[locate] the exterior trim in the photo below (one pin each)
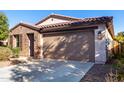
(68, 29)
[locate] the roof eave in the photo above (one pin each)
(110, 28)
(26, 25)
(69, 27)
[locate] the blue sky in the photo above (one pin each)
(33, 16)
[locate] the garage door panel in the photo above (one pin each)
(69, 46)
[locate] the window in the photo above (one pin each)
(11, 41)
(17, 40)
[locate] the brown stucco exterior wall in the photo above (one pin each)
(74, 45)
(23, 31)
(67, 45)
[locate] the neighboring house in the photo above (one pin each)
(65, 38)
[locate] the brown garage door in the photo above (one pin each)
(78, 45)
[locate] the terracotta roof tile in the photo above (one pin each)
(85, 20)
(27, 25)
(58, 16)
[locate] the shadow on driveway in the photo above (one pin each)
(50, 72)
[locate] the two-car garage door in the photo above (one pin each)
(74, 45)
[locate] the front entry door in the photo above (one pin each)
(31, 44)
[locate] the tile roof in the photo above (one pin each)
(107, 20)
(58, 16)
(103, 19)
(27, 25)
(96, 20)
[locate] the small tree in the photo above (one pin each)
(4, 27)
(120, 39)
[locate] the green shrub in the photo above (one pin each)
(119, 65)
(5, 53)
(112, 77)
(15, 52)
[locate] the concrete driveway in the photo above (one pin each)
(53, 71)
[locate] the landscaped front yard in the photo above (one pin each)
(98, 73)
(112, 72)
(5, 54)
(20, 70)
(14, 69)
(8, 56)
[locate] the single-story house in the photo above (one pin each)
(65, 38)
